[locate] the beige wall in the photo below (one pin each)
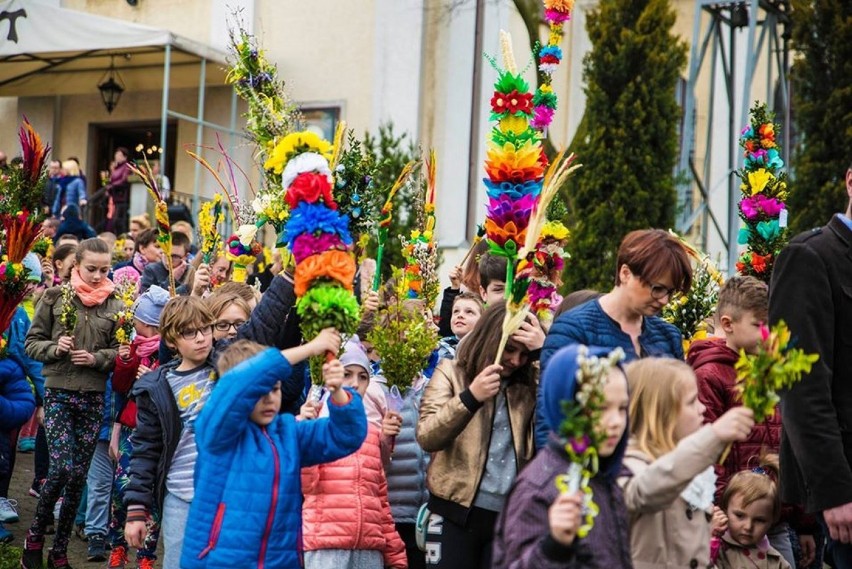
(189, 18)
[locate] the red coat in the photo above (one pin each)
(713, 363)
(346, 505)
(123, 378)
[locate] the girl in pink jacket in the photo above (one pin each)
(346, 516)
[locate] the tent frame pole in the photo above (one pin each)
(164, 115)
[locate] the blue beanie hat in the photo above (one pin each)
(354, 354)
(148, 306)
(32, 263)
(559, 383)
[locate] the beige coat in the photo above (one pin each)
(665, 531)
(459, 437)
(762, 556)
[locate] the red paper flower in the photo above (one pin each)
(310, 187)
(498, 103)
(519, 102)
(758, 262)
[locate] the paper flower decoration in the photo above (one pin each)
(125, 291)
(318, 235)
(161, 217)
(764, 190)
(580, 432)
(513, 165)
(209, 218)
(556, 13)
(21, 192)
(271, 114)
(294, 144)
(419, 249)
(68, 312)
(242, 252)
(385, 218)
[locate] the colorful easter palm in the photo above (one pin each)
(21, 191)
(385, 220)
(317, 235)
(764, 187)
(161, 217)
(209, 219)
(556, 13)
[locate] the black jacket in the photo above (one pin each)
(266, 326)
(155, 439)
(811, 291)
(158, 274)
(74, 226)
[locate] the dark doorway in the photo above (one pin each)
(138, 137)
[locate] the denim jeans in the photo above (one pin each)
(99, 483)
(175, 514)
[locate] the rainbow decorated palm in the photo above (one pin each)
(317, 235)
(514, 166)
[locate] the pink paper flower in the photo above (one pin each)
(308, 244)
(542, 117)
(759, 205)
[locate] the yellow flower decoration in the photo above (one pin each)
(294, 144)
(512, 123)
(758, 180)
(554, 230)
(527, 156)
(559, 5)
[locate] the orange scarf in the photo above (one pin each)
(91, 295)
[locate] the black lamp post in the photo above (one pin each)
(111, 87)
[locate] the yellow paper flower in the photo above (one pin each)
(559, 5)
(294, 144)
(512, 123)
(758, 180)
(554, 230)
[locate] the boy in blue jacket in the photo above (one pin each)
(247, 510)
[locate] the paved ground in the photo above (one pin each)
(21, 480)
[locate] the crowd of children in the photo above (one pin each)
(220, 456)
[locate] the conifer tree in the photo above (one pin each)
(822, 105)
(389, 152)
(629, 142)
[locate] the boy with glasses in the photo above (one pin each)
(168, 402)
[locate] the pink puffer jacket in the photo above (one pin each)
(346, 505)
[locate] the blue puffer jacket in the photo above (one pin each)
(17, 404)
(17, 334)
(247, 509)
(406, 471)
(588, 324)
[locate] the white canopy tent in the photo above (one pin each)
(47, 51)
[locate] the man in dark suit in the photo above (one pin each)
(811, 291)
